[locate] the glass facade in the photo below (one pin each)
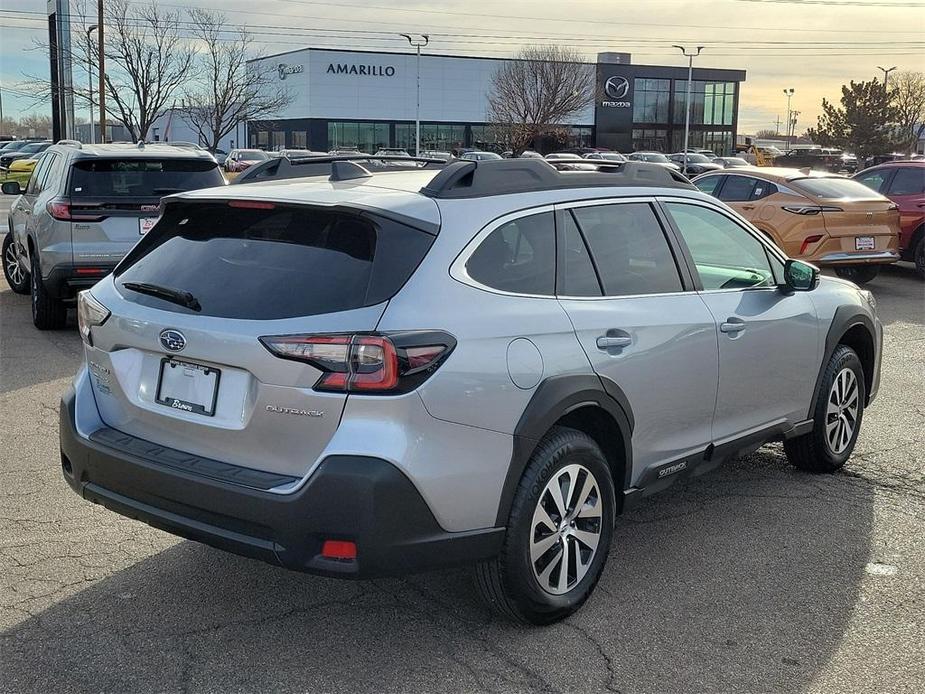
(712, 103)
(720, 141)
(651, 139)
(651, 99)
(366, 137)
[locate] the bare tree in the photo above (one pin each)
(767, 133)
(224, 88)
(147, 60)
(542, 88)
(907, 92)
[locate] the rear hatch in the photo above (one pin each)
(193, 374)
(113, 202)
(859, 218)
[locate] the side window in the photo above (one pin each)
(518, 257)
(763, 189)
(577, 271)
(34, 187)
(629, 249)
(725, 254)
(737, 189)
(873, 179)
(708, 184)
(909, 180)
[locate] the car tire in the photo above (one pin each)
(859, 274)
(47, 313)
(836, 424)
(525, 581)
(918, 256)
(16, 277)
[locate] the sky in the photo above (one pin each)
(812, 46)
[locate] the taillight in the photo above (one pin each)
(60, 209)
(808, 241)
(385, 364)
(811, 209)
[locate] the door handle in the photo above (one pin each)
(748, 207)
(609, 342)
(732, 325)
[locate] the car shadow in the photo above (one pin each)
(900, 294)
(742, 580)
(31, 356)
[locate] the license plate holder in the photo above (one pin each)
(864, 243)
(145, 224)
(188, 387)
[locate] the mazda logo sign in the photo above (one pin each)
(172, 340)
(616, 87)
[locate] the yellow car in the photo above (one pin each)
(21, 166)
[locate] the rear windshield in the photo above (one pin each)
(253, 155)
(274, 263)
(141, 178)
(835, 189)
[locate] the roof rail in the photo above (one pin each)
(70, 143)
(471, 179)
(279, 168)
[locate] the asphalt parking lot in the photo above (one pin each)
(754, 578)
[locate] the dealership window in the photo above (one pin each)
(279, 139)
(299, 139)
(720, 141)
(366, 137)
(434, 136)
(650, 139)
(263, 139)
(711, 102)
(650, 100)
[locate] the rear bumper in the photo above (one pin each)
(860, 258)
(65, 281)
(361, 499)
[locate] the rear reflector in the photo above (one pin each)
(808, 241)
(251, 204)
(339, 549)
(90, 271)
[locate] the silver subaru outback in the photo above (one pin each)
(365, 374)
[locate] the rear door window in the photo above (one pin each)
(908, 180)
(873, 179)
(518, 257)
(141, 178)
(281, 262)
(629, 248)
(708, 184)
(737, 189)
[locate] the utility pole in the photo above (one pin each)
(886, 76)
(777, 126)
(789, 94)
(417, 43)
(687, 111)
(793, 123)
(90, 29)
(102, 59)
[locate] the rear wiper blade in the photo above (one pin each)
(176, 296)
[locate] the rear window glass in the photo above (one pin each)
(834, 188)
(142, 178)
(267, 264)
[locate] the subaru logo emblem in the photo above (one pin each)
(617, 87)
(172, 340)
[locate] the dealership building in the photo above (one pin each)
(365, 99)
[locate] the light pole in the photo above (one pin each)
(886, 76)
(102, 59)
(788, 93)
(417, 43)
(687, 110)
(90, 28)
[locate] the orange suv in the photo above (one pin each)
(823, 218)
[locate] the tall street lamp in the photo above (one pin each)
(789, 94)
(102, 59)
(886, 75)
(417, 43)
(687, 111)
(90, 29)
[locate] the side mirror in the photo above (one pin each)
(800, 276)
(11, 188)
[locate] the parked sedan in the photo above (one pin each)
(903, 182)
(731, 162)
(477, 155)
(654, 158)
(240, 159)
(23, 153)
(24, 166)
(827, 219)
(606, 156)
(696, 163)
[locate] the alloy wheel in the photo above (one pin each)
(566, 529)
(841, 416)
(13, 268)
